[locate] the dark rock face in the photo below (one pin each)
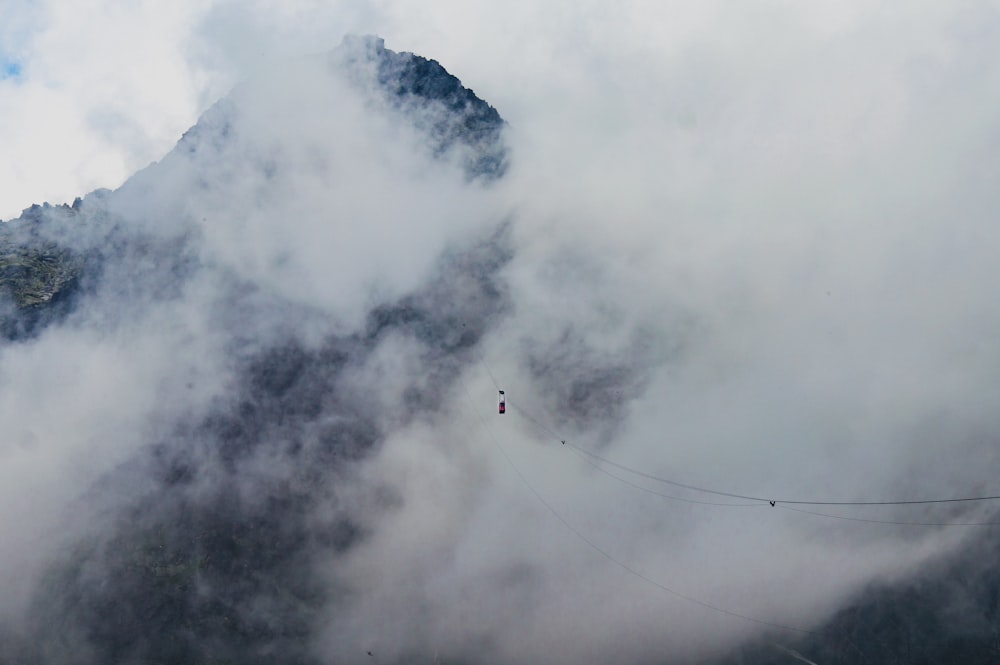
(420, 90)
(415, 81)
(38, 278)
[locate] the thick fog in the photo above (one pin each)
(746, 250)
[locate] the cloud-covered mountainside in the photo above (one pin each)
(248, 403)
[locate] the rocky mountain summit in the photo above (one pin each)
(41, 268)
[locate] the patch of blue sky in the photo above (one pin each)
(20, 23)
(10, 69)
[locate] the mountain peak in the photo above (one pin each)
(413, 83)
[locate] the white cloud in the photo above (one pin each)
(785, 212)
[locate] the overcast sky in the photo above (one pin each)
(91, 91)
(777, 217)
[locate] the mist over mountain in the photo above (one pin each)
(249, 402)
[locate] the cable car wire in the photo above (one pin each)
(598, 467)
(538, 424)
(773, 502)
(607, 555)
(894, 522)
(758, 500)
(800, 502)
(660, 494)
(482, 359)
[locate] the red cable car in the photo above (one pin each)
(503, 403)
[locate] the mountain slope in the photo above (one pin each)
(197, 567)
